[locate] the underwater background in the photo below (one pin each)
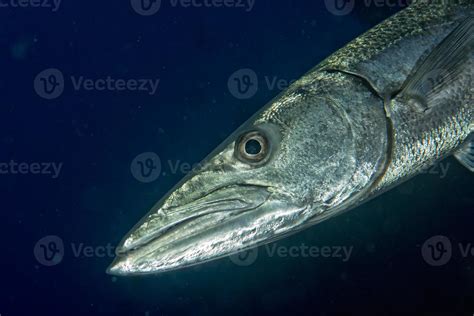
(184, 77)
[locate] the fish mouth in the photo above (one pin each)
(161, 241)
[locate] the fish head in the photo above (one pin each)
(267, 180)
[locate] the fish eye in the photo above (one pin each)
(252, 147)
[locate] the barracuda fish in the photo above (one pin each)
(391, 103)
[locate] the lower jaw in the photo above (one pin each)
(182, 233)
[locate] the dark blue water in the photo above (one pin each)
(93, 134)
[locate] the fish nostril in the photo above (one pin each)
(330, 200)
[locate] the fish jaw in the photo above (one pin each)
(249, 216)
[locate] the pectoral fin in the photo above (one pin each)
(465, 155)
(426, 86)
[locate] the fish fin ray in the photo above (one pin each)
(465, 155)
(423, 89)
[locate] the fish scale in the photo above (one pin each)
(419, 140)
(370, 116)
(410, 33)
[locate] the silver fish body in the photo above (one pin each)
(342, 134)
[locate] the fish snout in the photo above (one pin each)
(166, 230)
